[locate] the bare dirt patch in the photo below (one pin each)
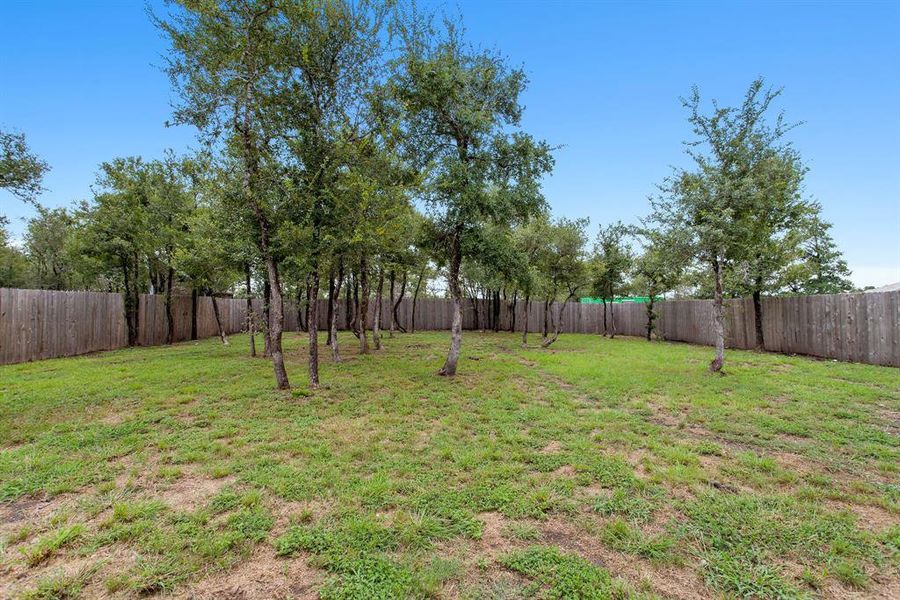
(261, 576)
(666, 580)
(552, 448)
(188, 493)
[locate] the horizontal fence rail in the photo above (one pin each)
(864, 327)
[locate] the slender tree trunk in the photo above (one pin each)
(758, 316)
(331, 305)
(605, 329)
(651, 317)
(131, 308)
(193, 313)
(250, 320)
(525, 319)
(557, 325)
(267, 318)
(215, 305)
(396, 306)
(349, 309)
(333, 323)
(170, 318)
(302, 306)
(276, 324)
(512, 311)
(415, 298)
(376, 323)
(545, 329)
(718, 318)
(496, 311)
(392, 278)
(449, 368)
(312, 326)
(612, 320)
(363, 310)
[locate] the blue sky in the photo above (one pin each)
(81, 79)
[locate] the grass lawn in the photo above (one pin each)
(596, 469)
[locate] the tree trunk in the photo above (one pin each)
(333, 323)
(525, 318)
(376, 323)
(312, 326)
(545, 329)
(557, 325)
(302, 304)
(331, 305)
(651, 317)
(131, 307)
(605, 329)
(222, 336)
(475, 311)
(718, 319)
(412, 317)
(349, 310)
(250, 321)
(449, 368)
(512, 311)
(496, 311)
(276, 324)
(758, 317)
(193, 313)
(612, 320)
(170, 318)
(363, 310)
(391, 318)
(267, 299)
(396, 319)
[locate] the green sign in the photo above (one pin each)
(620, 300)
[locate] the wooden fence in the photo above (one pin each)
(38, 324)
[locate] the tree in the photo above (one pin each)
(462, 116)
(532, 245)
(48, 239)
(221, 65)
(564, 271)
(610, 265)
(659, 268)
(13, 262)
(114, 232)
(713, 205)
(21, 171)
(821, 268)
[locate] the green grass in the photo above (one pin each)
(392, 482)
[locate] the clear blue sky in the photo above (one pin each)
(81, 79)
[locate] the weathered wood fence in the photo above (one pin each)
(38, 324)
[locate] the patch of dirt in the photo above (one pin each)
(665, 580)
(552, 448)
(565, 471)
(871, 518)
(492, 543)
(188, 493)
(880, 588)
(261, 576)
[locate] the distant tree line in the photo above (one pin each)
(363, 151)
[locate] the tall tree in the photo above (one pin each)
(21, 171)
(610, 265)
(48, 239)
(820, 267)
(659, 268)
(221, 65)
(13, 262)
(564, 271)
(714, 203)
(462, 116)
